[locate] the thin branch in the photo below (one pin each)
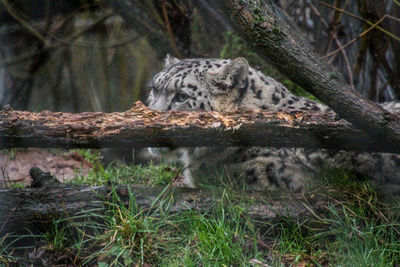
(24, 23)
(13, 212)
(29, 55)
(364, 20)
(356, 38)
(171, 37)
(98, 45)
(339, 44)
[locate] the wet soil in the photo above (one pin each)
(16, 163)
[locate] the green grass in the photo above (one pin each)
(222, 236)
(56, 238)
(90, 156)
(6, 252)
(126, 235)
(358, 228)
(150, 175)
(361, 242)
(366, 225)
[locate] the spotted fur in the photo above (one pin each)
(223, 85)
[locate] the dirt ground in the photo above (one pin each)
(16, 163)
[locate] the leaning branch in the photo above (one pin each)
(260, 24)
(144, 127)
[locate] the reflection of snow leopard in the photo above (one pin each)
(223, 85)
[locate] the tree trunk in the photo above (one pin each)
(35, 208)
(143, 127)
(260, 25)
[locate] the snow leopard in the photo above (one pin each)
(226, 85)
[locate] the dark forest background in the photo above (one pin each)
(98, 55)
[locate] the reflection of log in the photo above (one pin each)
(35, 207)
(143, 127)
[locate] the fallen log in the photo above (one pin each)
(35, 208)
(143, 127)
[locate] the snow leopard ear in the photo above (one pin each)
(232, 75)
(169, 61)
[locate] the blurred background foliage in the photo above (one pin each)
(98, 55)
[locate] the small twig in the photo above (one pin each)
(262, 243)
(339, 44)
(356, 38)
(150, 9)
(258, 263)
(335, 18)
(112, 44)
(364, 20)
(347, 64)
(13, 211)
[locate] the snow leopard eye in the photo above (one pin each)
(181, 97)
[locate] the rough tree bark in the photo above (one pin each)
(143, 127)
(262, 28)
(35, 208)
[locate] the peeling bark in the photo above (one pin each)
(143, 127)
(262, 28)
